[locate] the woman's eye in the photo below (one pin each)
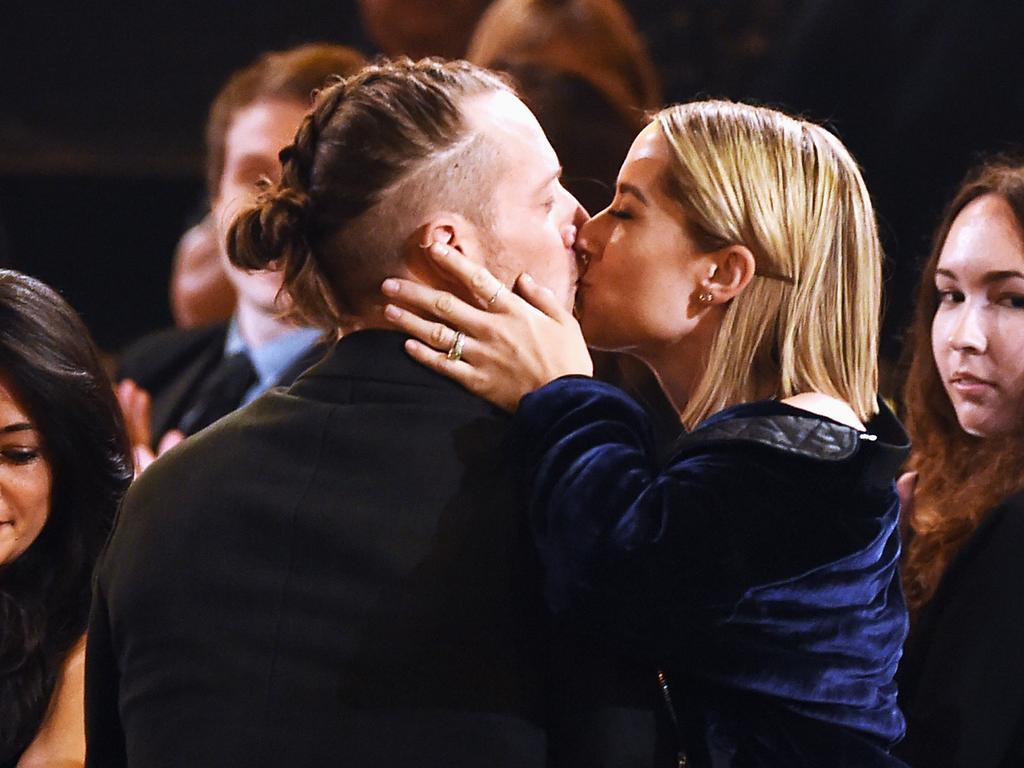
(549, 204)
(950, 296)
(19, 455)
(1012, 300)
(620, 214)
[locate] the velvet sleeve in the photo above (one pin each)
(646, 542)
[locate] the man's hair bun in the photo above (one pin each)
(276, 226)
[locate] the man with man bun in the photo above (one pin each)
(341, 573)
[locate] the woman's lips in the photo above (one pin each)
(970, 386)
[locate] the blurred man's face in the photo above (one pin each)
(533, 218)
(258, 132)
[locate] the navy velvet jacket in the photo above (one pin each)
(757, 567)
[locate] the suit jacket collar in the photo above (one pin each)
(171, 402)
(376, 355)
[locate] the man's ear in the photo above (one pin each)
(452, 230)
(449, 229)
(732, 269)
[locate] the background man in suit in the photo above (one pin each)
(340, 574)
(175, 382)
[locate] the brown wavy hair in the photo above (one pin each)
(595, 40)
(961, 477)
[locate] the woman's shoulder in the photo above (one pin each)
(786, 430)
(60, 742)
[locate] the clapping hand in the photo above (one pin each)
(135, 405)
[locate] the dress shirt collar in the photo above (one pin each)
(273, 359)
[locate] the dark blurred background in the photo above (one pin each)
(102, 109)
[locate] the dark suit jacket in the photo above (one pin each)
(962, 675)
(337, 574)
(172, 365)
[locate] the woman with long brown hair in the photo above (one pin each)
(962, 678)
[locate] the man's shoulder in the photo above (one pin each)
(192, 488)
(155, 355)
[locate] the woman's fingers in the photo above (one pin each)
(135, 405)
(905, 487)
(485, 287)
(452, 310)
(541, 297)
(442, 363)
(437, 335)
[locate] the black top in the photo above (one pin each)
(962, 675)
(337, 574)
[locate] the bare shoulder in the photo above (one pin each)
(60, 742)
(828, 406)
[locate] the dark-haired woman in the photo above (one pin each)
(962, 677)
(64, 464)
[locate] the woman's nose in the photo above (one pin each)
(968, 332)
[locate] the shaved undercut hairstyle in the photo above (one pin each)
(380, 151)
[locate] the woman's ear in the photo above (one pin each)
(732, 270)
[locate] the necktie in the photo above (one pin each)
(221, 393)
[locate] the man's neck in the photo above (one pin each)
(258, 327)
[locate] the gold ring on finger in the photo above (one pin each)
(455, 350)
(497, 293)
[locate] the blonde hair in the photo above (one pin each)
(790, 192)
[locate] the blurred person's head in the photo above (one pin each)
(253, 117)
(964, 393)
(742, 246)
(64, 465)
(400, 155)
(419, 28)
(584, 70)
(594, 40)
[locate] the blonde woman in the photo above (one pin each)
(754, 570)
